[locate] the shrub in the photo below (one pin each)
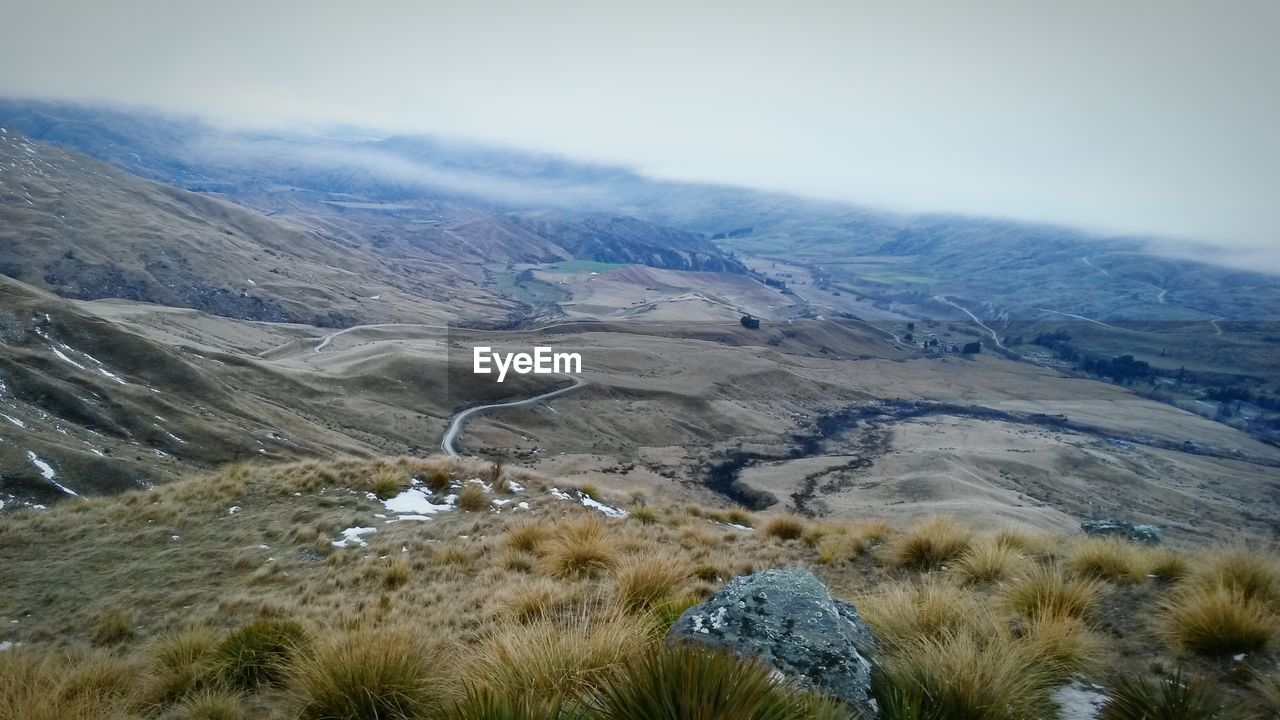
(784, 527)
(388, 482)
(257, 652)
(1108, 559)
(580, 547)
(1172, 698)
(369, 674)
(961, 676)
(990, 562)
(1219, 620)
(473, 498)
(640, 582)
(687, 683)
(930, 544)
(112, 626)
(1046, 591)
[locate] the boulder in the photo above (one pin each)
(1145, 534)
(787, 619)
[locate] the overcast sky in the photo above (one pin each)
(1150, 117)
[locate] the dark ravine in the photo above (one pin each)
(874, 419)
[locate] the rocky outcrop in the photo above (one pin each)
(787, 619)
(1145, 534)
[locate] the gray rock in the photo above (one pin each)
(787, 619)
(1146, 534)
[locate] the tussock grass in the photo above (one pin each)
(990, 562)
(1167, 564)
(641, 581)
(686, 683)
(645, 515)
(473, 498)
(257, 653)
(1062, 645)
(539, 599)
(1176, 697)
(1028, 543)
(46, 686)
(1048, 592)
(211, 704)
(1219, 620)
(388, 482)
(437, 478)
(904, 612)
(181, 663)
(580, 547)
(961, 675)
(371, 674)
(397, 572)
(555, 659)
(488, 705)
(785, 527)
(1254, 575)
(1267, 689)
(1112, 559)
(112, 626)
(526, 536)
(930, 544)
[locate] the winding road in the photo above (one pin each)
(994, 336)
(455, 425)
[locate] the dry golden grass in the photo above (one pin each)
(1167, 564)
(397, 572)
(1063, 645)
(785, 527)
(1028, 543)
(473, 498)
(1112, 559)
(548, 659)
(902, 612)
(1219, 620)
(1253, 574)
(112, 626)
(212, 704)
(930, 544)
(371, 673)
(181, 664)
(640, 582)
(49, 686)
(1048, 592)
(538, 599)
(990, 562)
(580, 547)
(962, 675)
(526, 536)
(388, 482)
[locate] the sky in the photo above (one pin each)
(1157, 117)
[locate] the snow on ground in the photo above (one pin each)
(417, 502)
(1079, 701)
(66, 359)
(47, 471)
(14, 420)
(591, 502)
(352, 536)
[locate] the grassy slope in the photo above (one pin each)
(551, 597)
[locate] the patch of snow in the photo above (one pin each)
(515, 486)
(14, 420)
(7, 645)
(523, 506)
(410, 517)
(1079, 701)
(98, 452)
(499, 502)
(556, 492)
(64, 358)
(612, 512)
(353, 536)
(417, 502)
(233, 509)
